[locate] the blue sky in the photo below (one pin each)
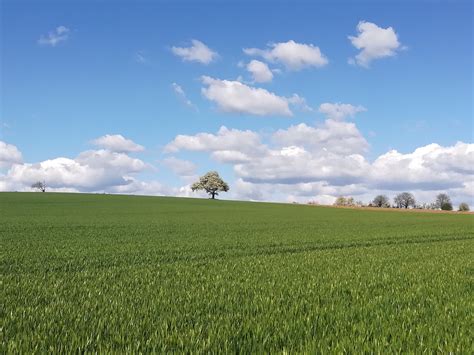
(114, 74)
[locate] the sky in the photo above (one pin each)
(287, 100)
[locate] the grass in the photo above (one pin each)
(102, 273)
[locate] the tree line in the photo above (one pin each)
(403, 200)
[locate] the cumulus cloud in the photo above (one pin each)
(197, 52)
(431, 167)
(321, 162)
(178, 90)
(293, 55)
(299, 102)
(236, 97)
(280, 167)
(299, 163)
(248, 191)
(332, 136)
(59, 34)
(180, 167)
(374, 42)
(228, 140)
(260, 71)
(90, 171)
(301, 153)
(117, 143)
(100, 170)
(137, 187)
(9, 155)
(230, 156)
(338, 111)
(295, 172)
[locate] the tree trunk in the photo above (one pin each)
(213, 195)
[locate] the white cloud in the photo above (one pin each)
(70, 175)
(225, 140)
(300, 163)
(236, 97)
(198, 52)
(112, 160)
(60, 34)
(137, 187)
(260, 71)
(293, 151)
(430, 167)
(374, 42)
(293, 55)
(91, 171)
(332, 136)
(178, 90)
(99, 170)
(9, 155)
(117, 143)
(180, 167)
(248, 191)
(299, 102)
(279, 167)
(319, 163)
(302, 153)
(230, 156)
(338, 111)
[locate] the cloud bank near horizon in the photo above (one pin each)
(299, 163)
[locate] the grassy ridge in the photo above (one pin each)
(128, 273)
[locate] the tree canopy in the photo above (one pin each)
(381, 201)
(40, 186)
(405, 200)
(212, 183)
(443, 201)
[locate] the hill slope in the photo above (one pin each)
(128, 273)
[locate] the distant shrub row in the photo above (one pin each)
(402, 200)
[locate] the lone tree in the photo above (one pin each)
(444, 202)
(40, 186)
(405, 200)
(381, 201)
(211, 183)
(463, 207)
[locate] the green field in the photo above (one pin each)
(102, 273)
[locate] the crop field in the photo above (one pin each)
(103, 273)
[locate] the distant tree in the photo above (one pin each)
(447, 206)
(360, 203)
(345, 201)
(444, 202)
(404, 200)
(340, 201)
(381, 201)
(350, 202)
(40, 186)
(211, 183)
(463, 207)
